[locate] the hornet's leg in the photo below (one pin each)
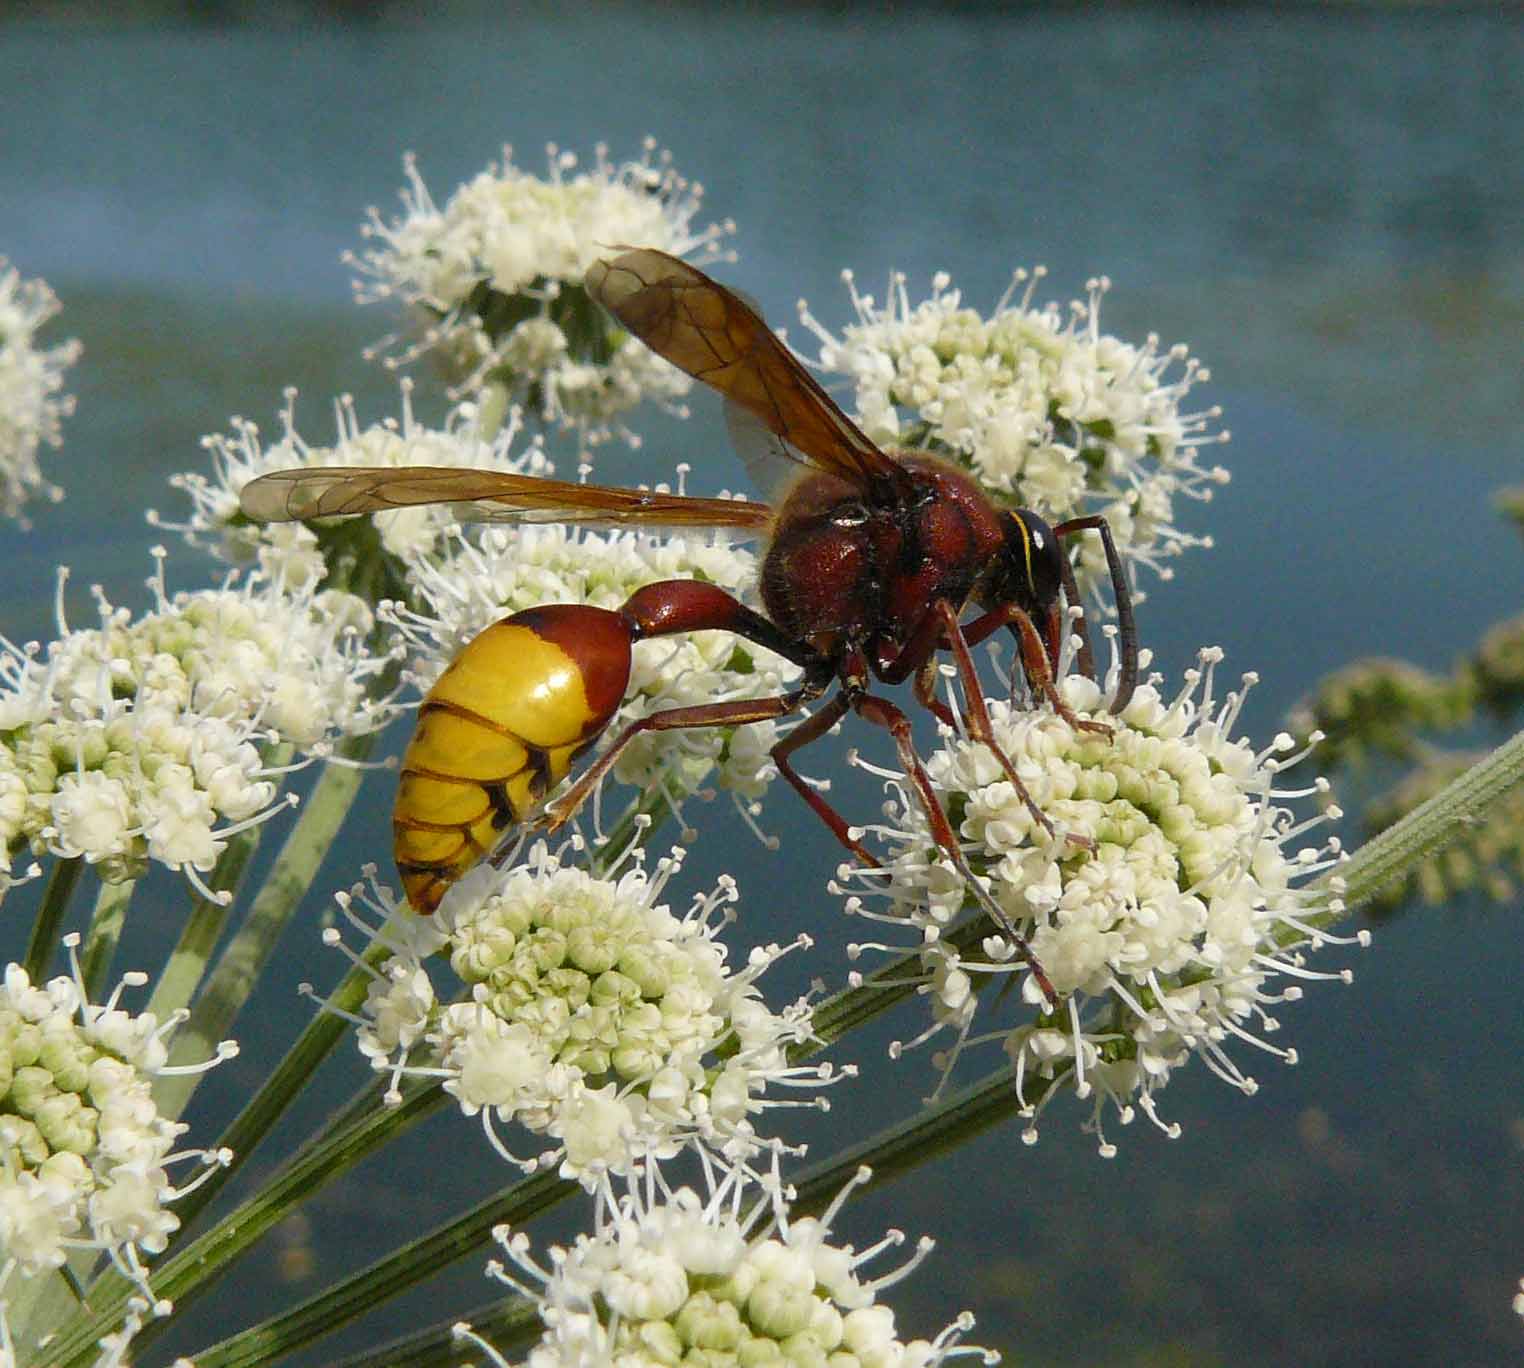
(812, 730)
(732, 714)
(883, 713)
(1034, 655)
(672, 606)
(977, 718)
(940, 627)
(1127, 679)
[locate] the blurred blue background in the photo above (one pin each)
(1327, 206)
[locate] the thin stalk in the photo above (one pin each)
(242, 1137)
(291, 1075)
(639, 823)
(509, 1324)
(464, 1235)
(105, 931)
(353, 1296)
(505, 1321)
(55, 903)
(188, 960)
(1432, 825)
(240, 964)
(898, 1149)
(194, 1267)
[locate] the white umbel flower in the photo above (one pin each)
(1047, 411)
(672, 1277)
(298, 554)
(497, 571)
(589, 1013)
(1174, 933)
(139, 739)
(493, 281)
(85, 1155)
(31, 407)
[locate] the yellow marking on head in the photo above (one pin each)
(1026, 547)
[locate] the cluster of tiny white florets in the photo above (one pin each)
(31, 407)
(295, 553)
(1168, 935)
(591, 1014)
(493, 281)
(481, 578)
(1048, 412)
(138, 739)
(84, 1158)
(672, 1277)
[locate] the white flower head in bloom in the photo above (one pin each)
(138, 739)
(84, 1154)
(672, 1277)
(300, 554)
(490, 574)
(494, 281)
(1175, 934)
(31, 407)
(591, 1014)
(1048, 412)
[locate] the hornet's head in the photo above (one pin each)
(1028, 573)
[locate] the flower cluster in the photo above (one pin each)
(1378, 706)
(501, 570)
(1048, 412)
(31, 407)
(301, 554)
(85, 1153)
(493, 281)
(1164, 907)
(676, 1277)
(138, 739)
(590, 1014)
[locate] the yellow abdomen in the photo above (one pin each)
(500, 728)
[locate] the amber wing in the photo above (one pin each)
(493, 496)
(717, 337)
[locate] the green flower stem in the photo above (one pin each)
(55, 902)
(361, 1129)
(106, 924)
(403, 1268)
(631, 830)
(210, 1254)
(188, 960)
(890, 983)
(1458, 807)
(293, 1073)
(503, 1322)
(897, 1149)
(465, 1234)
(512, 1323)
(287, 883)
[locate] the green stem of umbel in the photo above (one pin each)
(1431, 826)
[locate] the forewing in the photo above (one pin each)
(717, 337)
(770, 461)
(484, 496)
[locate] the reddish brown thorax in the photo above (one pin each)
(841, 567)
